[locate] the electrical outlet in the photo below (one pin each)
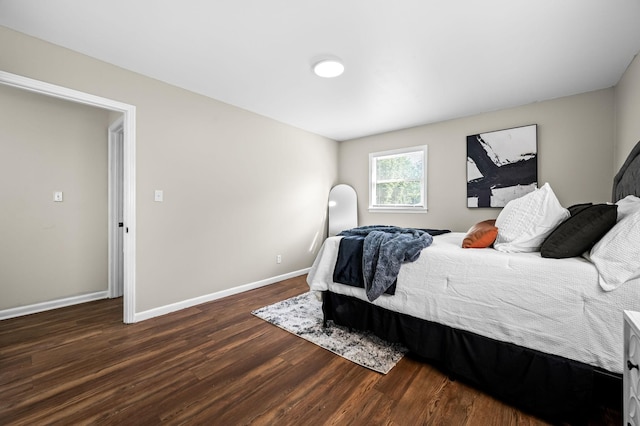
(278, 258)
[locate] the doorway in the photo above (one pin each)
(128, 186)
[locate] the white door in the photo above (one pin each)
(116, 209)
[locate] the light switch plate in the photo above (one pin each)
(57, 196)
(159, 195)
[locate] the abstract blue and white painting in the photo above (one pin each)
(501, 166)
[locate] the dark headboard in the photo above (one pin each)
(627, 181)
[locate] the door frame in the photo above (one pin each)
(129, 168)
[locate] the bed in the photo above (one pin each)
(540, 333)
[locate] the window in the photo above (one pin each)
(398, 180)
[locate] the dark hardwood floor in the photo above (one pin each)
(216, 364)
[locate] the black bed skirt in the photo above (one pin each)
(549, 386)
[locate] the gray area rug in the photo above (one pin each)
(302, 316)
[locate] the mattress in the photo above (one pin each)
(551, 305)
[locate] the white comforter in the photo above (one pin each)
(551, 305)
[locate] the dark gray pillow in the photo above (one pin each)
(586, 225)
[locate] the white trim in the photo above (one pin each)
(129, 215)
(129, 113)
(162, 310)
(61, 92)
(398, 210)
(51, 304)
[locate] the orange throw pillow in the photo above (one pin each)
(481, 235)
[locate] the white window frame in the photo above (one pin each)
(372, 181)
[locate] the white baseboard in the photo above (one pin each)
(52, 304)
(151, 313)
(162, 310)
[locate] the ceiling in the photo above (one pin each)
(407, 62)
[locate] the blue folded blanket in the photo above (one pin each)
(348, 269)
(385, 249)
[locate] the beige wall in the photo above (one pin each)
(51, 250)
(627, 95)
(575, 155)
(239, 188)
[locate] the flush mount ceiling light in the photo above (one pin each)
(328, 68)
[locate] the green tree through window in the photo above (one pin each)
(398, 178)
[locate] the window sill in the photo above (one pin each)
(398, 210)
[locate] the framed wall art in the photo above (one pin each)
(501, 166)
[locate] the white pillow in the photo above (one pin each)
(626, 206)
(524, 223)
(617, 254)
